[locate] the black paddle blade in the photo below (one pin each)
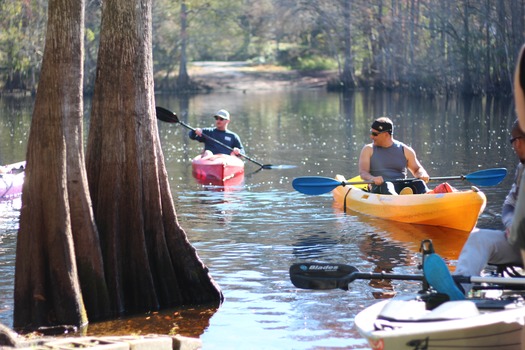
(321, 276)
(166, 115)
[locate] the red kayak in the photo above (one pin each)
(218, 170)
(11, 180)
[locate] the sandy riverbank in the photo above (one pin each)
(244, 76)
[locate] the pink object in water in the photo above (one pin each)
(218, 169)
(11, 180)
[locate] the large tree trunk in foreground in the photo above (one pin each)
(55, 195)
(149, 263)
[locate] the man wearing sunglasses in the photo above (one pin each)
(220, 133)
(485, 246)
(386, 159)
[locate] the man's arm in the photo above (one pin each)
(364, 165)
(509, 204)
(238, 144)
(197, 134)
(414, 165)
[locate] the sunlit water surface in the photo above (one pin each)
(249, 235)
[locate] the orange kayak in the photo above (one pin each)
(457, 210)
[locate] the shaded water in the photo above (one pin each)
(249, 235)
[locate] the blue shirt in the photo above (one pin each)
(226, 137)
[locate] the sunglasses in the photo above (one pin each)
(374, 133)
(515, 138)
(219, 118)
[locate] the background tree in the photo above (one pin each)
(149, 262)
(166, 43)
(56, 215)
(347, 76)
(183, 80)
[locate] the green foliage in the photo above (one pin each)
(315, 63)
(90, 35)
(304, 58)
(22, 33)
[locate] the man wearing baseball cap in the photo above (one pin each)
(220, 133)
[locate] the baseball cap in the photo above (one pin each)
(222, 114)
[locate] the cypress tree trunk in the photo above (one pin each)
(149, 262)
(55, 195)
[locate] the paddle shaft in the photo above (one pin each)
(383, 276)
(440, 178)
(457, 278)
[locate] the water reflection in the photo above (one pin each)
(189, 322)
(313, 245)
(9, 213)
(446, 241)
(249, 235)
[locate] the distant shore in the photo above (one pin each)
(243, 76)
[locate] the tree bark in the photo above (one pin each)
(149, 262)
(55, 196)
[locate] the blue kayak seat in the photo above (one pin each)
(438, 277)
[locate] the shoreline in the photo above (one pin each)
(221, 76)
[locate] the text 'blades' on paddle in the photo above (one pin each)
(321, 275)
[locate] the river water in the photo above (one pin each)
(249, 235)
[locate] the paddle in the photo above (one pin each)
(331, 276)
(315, 185)
(170, 117)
